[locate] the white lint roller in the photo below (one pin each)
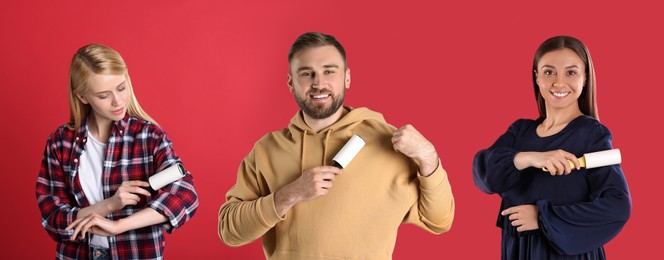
(167, 176)
(348, 152)
(598, 159)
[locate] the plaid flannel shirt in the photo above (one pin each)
(136, 150)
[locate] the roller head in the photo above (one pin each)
(167, 176)
(348, 152)
(602, 158)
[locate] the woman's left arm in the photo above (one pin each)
(178, 201)
(99, 225)
(174, 206)
(581, 227)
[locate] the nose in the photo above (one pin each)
(559, 82)
(316, 81)
(116, 100)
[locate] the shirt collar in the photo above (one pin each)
(119, 127)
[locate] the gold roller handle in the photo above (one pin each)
(582, 162)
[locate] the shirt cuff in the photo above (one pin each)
(268, 211)
(434, 180)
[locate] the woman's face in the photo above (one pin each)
(561, 77)
(108, 95)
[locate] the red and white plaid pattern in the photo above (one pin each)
(136, 150)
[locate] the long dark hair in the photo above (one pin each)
(588, 99)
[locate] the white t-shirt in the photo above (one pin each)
(89, 174)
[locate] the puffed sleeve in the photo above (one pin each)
(493, 168)
(580, 227)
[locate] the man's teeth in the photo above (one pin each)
(321, 96)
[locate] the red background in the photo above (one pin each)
(214, 76)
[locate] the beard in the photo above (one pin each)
(318, 110)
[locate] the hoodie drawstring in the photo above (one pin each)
(327, 137)
(304, 138)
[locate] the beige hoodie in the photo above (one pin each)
(358, 218)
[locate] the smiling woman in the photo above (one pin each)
(571, 212)
(559, 74)
(92, 195)
(565, 61)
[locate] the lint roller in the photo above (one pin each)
(348, 152)
(167, 176)
(597, 159)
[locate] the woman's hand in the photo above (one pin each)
(95, 224)
(524, 217)
(556, 161)
(128, 194)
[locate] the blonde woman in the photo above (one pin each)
(92, 190)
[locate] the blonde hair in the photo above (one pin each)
(97, 59)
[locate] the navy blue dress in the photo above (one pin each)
(578, 213)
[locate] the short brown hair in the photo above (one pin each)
(315, 39)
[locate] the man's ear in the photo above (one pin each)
(290, 83)
(347, 79)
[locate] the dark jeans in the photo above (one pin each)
(99, 253)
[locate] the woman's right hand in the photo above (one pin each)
(127, 194)
(555, 161)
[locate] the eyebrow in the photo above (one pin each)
(122, 83)
(304, 68)
(327, 66)
(568, 67)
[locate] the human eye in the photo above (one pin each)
(572, 73)
(305, 74)
(122, 87)
(102, 96)
(328, 72)
(549, 72)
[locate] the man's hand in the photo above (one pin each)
(411, 143)
(312, 183)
